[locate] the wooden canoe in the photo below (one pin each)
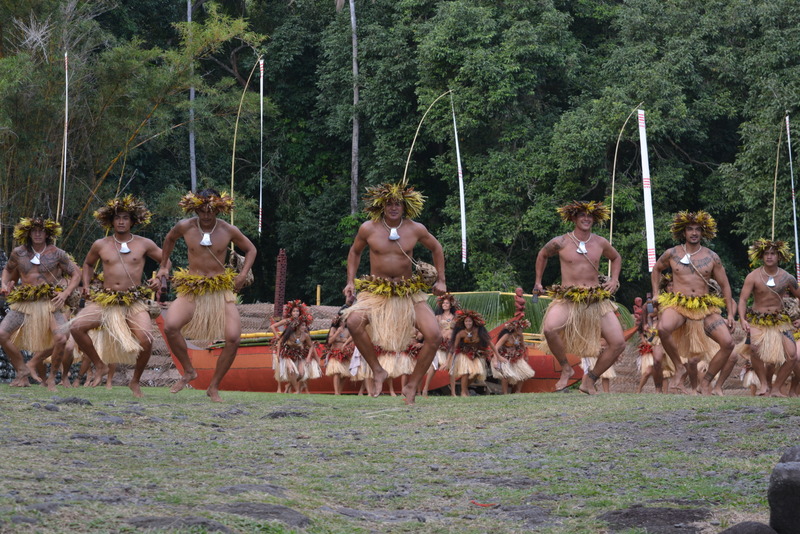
(252, 371)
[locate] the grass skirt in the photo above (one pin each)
(588, 364)
(388, 361)
(441, 358)
(312, 370)
(35, 333)
(391, 319)
(364, 371)
(693, 342)
(517, 368)
(336, 367)
(516, 371)
(210, 295)
(208, 321)
(404, 365)
(644, 362)
(287, 366)
(115, 343)
(768, 342)
(749, 378)
(581, 332)
(472, 367)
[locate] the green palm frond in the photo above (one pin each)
(497, 308)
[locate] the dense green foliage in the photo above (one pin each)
(541, 90)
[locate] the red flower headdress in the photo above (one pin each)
(305, 314)
(461, 316)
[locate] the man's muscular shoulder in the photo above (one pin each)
(19, 252)
(555, 245)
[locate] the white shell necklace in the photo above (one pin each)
(771, 277)
(206, 241)
(581, 244)
(687, 258)
(37, 256)
(393, 235)
(123, 245)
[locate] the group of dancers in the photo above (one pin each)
(113, 309)
(684, 316)
(466, 351)
(387, 328)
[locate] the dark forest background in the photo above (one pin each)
(541, 89)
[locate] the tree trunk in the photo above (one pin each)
(354, 150)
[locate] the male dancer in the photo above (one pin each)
(119, 307)
(391, 301)
(692, 312)
(766, 323)
(581, 311)
(35, 321)
(205, 308)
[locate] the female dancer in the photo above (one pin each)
(512, 347)
(339, 353)
(446, 307)
(292, 350)
(470, 347)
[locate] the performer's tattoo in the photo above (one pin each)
(59, 319)
(713, 326)
(51, 262)
(12, 321)
(553, 246)
(703, 262)
(13, 262)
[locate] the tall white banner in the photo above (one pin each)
(794, 202)
(648, 198)
(460, 188)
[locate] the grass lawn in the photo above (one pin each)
(264, 462)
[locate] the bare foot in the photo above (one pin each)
(588, 386)
(51, 384)
(705, 388)
(183, 382)
(21, 381)
(717, 391)
(66, 383)
(99, 372)
(676, 382)
(410, 393)
(377, 381)
(777, 393)
(566, 373)
(109, 384)
(32, 372)
(213, 393)
(137, 390)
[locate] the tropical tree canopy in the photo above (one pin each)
(540, 92)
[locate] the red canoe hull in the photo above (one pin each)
(252, 371)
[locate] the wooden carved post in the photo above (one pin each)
(280, 283)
